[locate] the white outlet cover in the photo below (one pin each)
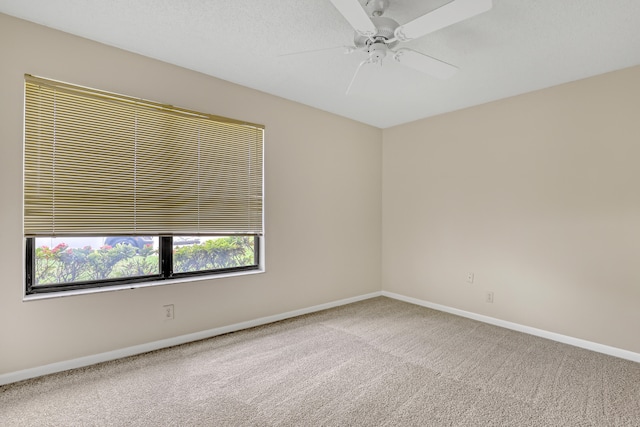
(168, 311)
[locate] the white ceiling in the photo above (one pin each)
(517, 47)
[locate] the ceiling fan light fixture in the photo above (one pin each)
(377, 52)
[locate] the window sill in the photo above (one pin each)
(130, 286)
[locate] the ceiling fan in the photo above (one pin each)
(379, 36)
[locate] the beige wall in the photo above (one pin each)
(537, 195)
(323, 207)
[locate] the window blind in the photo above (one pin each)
(97, 163)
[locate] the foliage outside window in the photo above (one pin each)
(70, 265)
(162, 192)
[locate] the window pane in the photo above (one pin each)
(203, 253)
(80, 259)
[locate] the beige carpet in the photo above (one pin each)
(379, 362)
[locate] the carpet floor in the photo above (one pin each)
(379, 362)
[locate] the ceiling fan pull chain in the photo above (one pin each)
(353, 79)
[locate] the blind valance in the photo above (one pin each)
(97, 163)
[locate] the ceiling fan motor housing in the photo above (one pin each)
(385, 31)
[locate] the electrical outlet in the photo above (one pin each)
(489, 297)
(469, 277)
(167, 311)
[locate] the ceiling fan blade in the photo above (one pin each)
(449, 14)
(356, 16)
(426, 64)
(347, 50)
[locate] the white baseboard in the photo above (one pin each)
(169, 342)
(576, 342)
(183, 339)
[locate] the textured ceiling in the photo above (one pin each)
(517, 47)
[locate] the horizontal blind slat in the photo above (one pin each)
(100, 163)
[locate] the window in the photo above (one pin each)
(122, 190)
